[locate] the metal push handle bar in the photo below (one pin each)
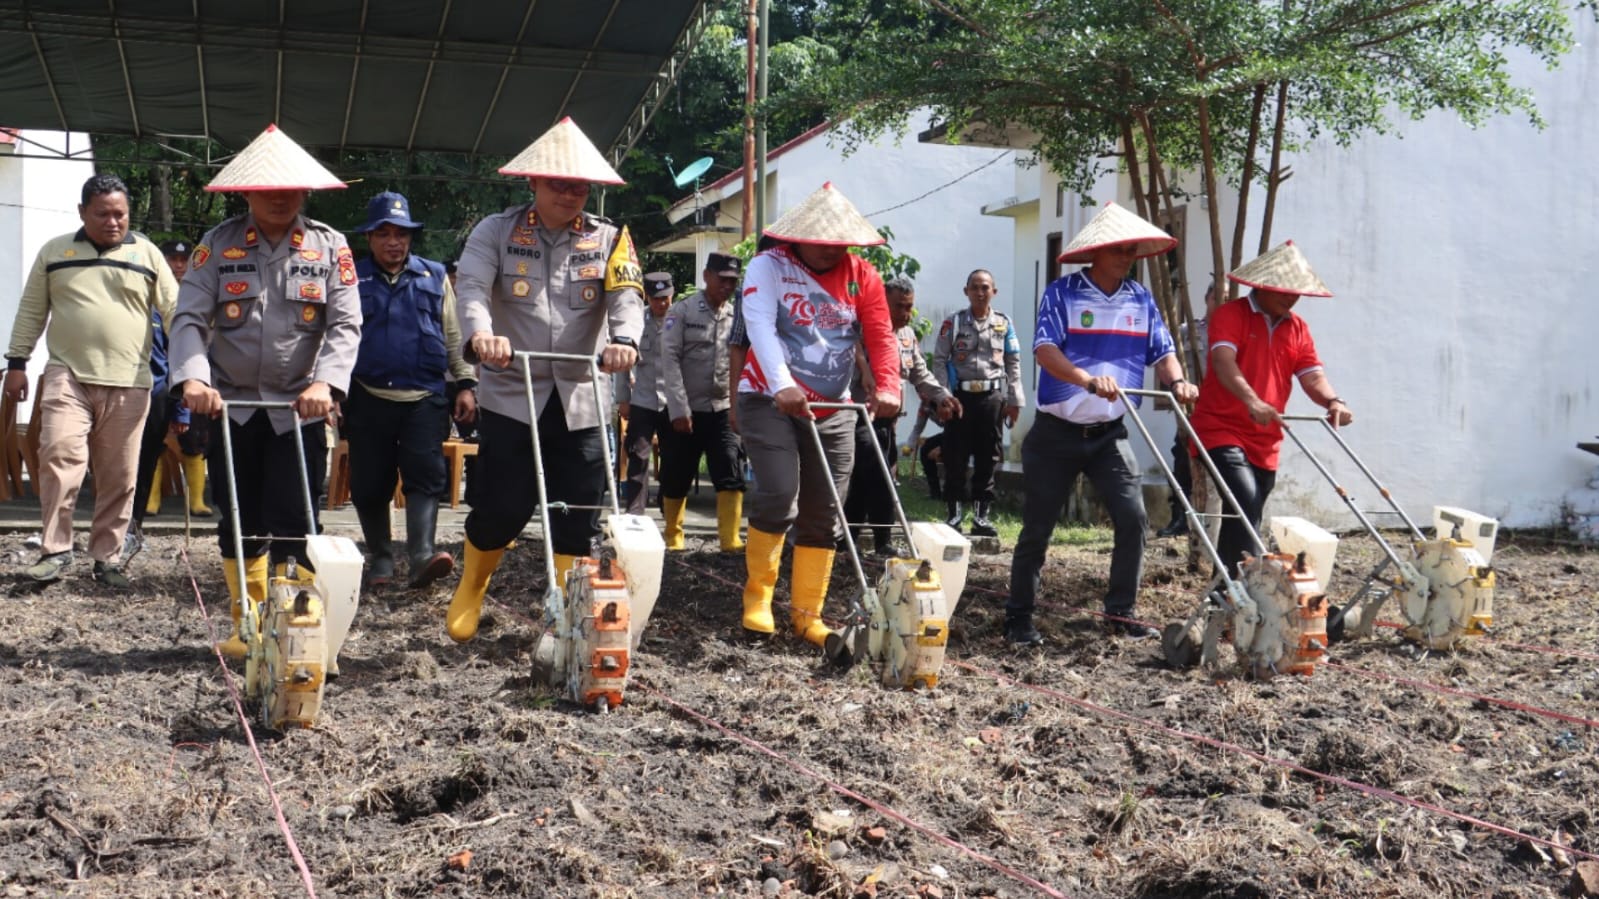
(248, 622)
(882, 465)
(1350, 452)
(1196, 523)
(528, 357)
(838, 502)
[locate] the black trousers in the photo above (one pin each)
(871, 499)
(712, 438)
(385, 437)
(1053, 454)
(930, 465)
(268, 477)
(1250, 486)
(504, 490)
(643, 425)
(1183, 472)
(975, 437)
(152, 444)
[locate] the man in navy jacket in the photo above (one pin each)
(397, 415)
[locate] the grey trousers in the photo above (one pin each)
(790, 480)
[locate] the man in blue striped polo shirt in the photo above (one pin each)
(1097, 331)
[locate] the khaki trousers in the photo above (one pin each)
(79, 425)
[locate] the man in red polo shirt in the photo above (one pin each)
(1258, 346)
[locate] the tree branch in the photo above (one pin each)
(958, 18)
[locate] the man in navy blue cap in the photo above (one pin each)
(397, 415)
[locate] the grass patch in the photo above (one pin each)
(1006, 516)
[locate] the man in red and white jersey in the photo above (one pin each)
(806, 303)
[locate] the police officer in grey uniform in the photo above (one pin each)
(978, 359)
(871, 499)
(641, 398)
(543, 276)
(698, 396)
(268, 311)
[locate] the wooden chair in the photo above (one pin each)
(339, 475)
(172, 470)
(455, 453)
(339, 479)
(10, 452)
(21, 448)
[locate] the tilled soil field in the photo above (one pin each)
(736, 769)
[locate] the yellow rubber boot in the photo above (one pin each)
(194, 476)
(563, 567)
(672, 509)
(304, 577)
(762, 556)
(729, 512)
(813, 569)
(255, 577)
(153, 505)
(467, 604)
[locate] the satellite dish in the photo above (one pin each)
(691, 172)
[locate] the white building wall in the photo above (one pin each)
(1464, 325)
(943, 230)
(1463, 328)
(38, 201)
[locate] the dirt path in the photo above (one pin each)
(123, 771)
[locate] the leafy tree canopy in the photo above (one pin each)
(1072, 73)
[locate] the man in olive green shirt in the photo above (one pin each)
(91, 295)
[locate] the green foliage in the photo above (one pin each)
(888, 263)
(1072, 74)
(705, 117)
(448, 193)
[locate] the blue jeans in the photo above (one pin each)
(1053, 454)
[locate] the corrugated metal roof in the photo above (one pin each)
(468, 76)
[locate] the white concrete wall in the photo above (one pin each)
(1463, 329)
(1464, 325)
(943, 231)
(38, 201)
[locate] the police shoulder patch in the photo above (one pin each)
(622, 270)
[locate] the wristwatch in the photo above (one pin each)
(625, 341)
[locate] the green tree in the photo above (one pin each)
(705, 117)
(1221, 88)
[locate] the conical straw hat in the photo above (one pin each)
(825, 217)
(273, 161)
(1282, 268)
(1112, 226)
(564, 151)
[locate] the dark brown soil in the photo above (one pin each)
(125, 772)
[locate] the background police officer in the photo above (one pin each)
(641, 398)
(698, 397)
(397, 415)
(543, 276)
(870, 498)
(978, 359)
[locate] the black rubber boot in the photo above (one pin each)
(957, 515)
(1019, 631)
(375, 530)
(421, 519)
(981, 526)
